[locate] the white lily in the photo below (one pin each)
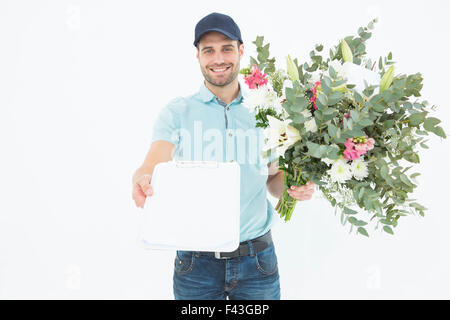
(280, 135)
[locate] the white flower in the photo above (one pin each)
(359, 169)
(273, 101)
(340, 171)
(356, 74)
(273, 132)
(329, 162)
(263, 97)
(311, 125)
(280, 135)
(255, 98)
(293, 135)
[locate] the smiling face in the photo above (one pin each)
(219, 58)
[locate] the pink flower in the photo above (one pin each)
(351, 154)
(362, 147)
(314, 91)
(370, 143)
(349, 144)
(256, 78)
(354, 150)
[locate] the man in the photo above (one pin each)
(251, 272)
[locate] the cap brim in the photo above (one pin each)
(230, 36)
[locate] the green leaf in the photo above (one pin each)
(317, 151)
(349, 211)
(417, 206)
(333, 152)
(361, 193)
(411, 157)
(417, 118)
(384, 172)
(253, 61)
(334, 98)
(354, 115)
(430, 123)
(365, 122)
(388, 229)
(323, 99)
(388, 124)
(332, 72)
(356, 222)
(405, 180)
(357, 96)
(414, 175)
(363, 231)
(299, 104)
(439, 132)
(332, 130)
(377, 103)
(329, 111)
(259, 41)
(326, 85)
(299, 119)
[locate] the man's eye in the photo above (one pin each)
(208, 51)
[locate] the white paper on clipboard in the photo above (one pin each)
(195, 206)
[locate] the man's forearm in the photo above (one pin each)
(275, 185)
(160, 151)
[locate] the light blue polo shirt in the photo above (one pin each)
(204, 128)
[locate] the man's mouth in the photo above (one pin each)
(219, 70)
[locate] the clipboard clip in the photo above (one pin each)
(194, 164)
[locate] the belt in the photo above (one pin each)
(258, 245)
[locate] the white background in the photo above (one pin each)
(80, 85)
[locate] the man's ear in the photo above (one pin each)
(241, 51)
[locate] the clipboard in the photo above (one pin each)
(195, 206)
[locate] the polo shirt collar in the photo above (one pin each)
(206, 95)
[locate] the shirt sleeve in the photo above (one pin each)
(167, 125)
(273, 156)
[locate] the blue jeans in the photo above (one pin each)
(251, 277)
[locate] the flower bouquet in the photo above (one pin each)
(347, 124)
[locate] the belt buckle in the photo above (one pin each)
(217, 256)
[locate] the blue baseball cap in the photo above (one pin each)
(220, 23)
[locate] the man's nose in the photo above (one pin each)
(219, 58)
